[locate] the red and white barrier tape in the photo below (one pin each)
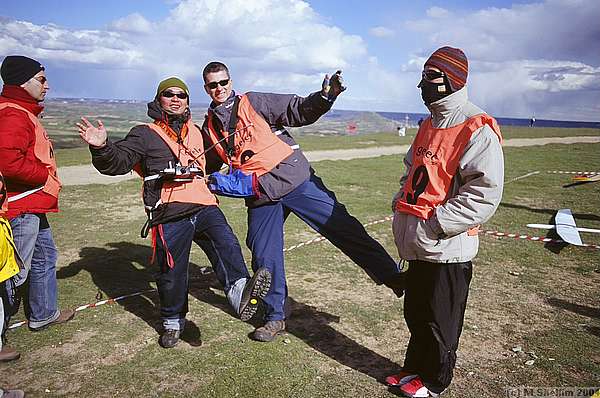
(572, 172)
(320, 239)
(532, 238)
(96, 304)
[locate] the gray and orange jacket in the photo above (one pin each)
(438, 223)
(280, 171)
(144, 147)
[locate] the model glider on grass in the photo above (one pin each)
(564, 223)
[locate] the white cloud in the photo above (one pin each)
(50, 42)
(381, 31)
(437, 12)
(132, 23)
(283, 39)
(523, 57)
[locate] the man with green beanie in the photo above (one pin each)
(169, 154)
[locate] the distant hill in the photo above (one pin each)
(119, 116)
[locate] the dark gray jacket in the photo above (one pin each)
(279, 111)
(142, 145)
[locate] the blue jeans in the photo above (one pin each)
(3, 318)
(35, 245)
(209, 229)
(318, 207)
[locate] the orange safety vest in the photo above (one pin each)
(436, 155)
(43, 151)
(256, 149)
(188, 153)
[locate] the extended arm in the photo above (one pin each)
(112, 158)
(293, 111)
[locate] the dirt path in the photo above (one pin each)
(86, 174)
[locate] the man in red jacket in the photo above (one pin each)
(29, 168)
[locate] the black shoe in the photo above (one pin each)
(169, 338)
(268, 332)
(255, 289)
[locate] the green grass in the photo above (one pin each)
(345, 333)
(80, 155)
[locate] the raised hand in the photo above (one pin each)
(95, 136)
(333, 86)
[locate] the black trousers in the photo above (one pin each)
(434, 310)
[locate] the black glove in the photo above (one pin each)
(333, 86)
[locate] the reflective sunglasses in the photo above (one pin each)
(431, 75)
(213, 85)
(170, 94)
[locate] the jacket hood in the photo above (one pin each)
(155, 112)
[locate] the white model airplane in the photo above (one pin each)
(564, 223)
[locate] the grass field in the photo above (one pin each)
(80, 155)
(345, 334)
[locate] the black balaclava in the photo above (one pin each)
(432, 92)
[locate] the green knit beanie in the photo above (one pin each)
(171, 82)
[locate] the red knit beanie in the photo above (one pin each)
(453, 62)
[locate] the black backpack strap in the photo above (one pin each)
(233, 119)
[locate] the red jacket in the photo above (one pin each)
(21, 169)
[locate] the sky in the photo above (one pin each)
(526, 58)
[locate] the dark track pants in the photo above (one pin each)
(434, 310)
(209, 229)
(318, 207)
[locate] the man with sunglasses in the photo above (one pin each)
(29, 168)
(267, 168)
(452, 184)
(169, 154)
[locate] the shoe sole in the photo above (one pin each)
(257, 289)
(52, 323)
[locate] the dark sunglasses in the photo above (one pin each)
(41, 79)
(431, 75)
(213, 85)
(170, 94)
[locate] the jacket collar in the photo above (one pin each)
(20, 96)
(444, 108)
(222, 111)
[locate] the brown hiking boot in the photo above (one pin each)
(269, 331)
(8, 354)
(64, 316)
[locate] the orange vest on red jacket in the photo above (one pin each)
(435, 160)
(189, 152)
(43, 151)
(256, 148)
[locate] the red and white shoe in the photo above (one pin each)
(399, 379)
(416, 388)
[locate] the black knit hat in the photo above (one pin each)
(17, 69)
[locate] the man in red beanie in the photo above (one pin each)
(29, 168)
(452, 183)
